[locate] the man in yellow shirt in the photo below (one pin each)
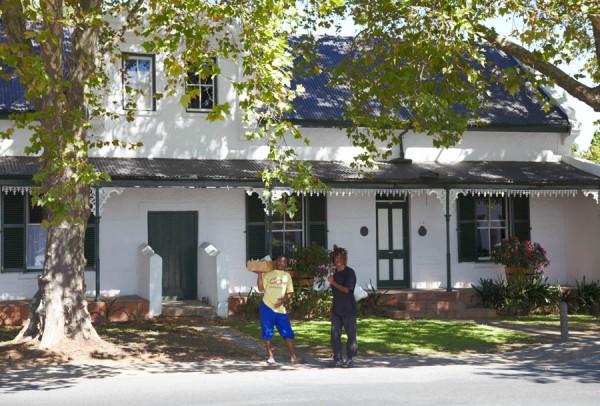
(278, 288)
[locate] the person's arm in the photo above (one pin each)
(259, 282)
(337, 286)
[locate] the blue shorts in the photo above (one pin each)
(270, 319)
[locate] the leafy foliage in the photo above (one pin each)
(520, 254)
(373, 304)
(593, 152)
(519, 296)
(584, 298)
(248, 307)
(419, 65)
(309, 262)
(310, 304)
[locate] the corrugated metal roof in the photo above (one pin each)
(169, 172)
(324, 103)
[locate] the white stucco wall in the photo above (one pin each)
(124, 227)
(345, 217)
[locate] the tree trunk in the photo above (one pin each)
(59, 309)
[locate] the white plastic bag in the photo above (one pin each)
(359, 293)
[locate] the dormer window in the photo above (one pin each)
(201, 83)
(138, 82)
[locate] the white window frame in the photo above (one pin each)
(488, 226)
(141, 84)
(287, 225)
(203, 84)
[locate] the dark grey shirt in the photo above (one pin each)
(344, 303)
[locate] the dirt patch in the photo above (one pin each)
(177, 339)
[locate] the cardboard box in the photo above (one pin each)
(259, 266)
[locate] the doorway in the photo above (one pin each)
(393, 265)
(174, 236)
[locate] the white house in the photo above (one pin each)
(426, 219)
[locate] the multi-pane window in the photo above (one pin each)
(485, 220)
(307, 227)
(23, 238)
(138, 82)
(36, 238)
(201, 83)
(492, 224)
(287, 230)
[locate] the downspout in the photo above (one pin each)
(448, 266)
(97, 244)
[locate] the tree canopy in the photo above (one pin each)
(426, 57)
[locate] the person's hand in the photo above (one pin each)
(280, 301)
(330, 279)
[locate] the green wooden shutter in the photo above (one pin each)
(521, 223)
(467, 229)
(316, 207)
(13, 242)
(256, 228)
(90, 243)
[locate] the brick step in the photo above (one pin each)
(187, 308)
(431, 306)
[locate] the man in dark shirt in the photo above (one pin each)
(343, 312)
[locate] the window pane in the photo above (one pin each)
(138, 78)
(36, 246)
(35, 214)
(207, 97)
(293, 225)
(491, 224)
(382, 229)
(203, 81)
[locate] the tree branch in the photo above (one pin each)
(15, 25)
(131, 16)
(595, 19)
(587, 94)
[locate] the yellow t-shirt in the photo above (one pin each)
(276, 283)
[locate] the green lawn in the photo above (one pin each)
(576, 321)
(381, 336)
(376, 336)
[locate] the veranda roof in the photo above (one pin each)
(142, 172)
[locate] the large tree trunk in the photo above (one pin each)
(59, 309)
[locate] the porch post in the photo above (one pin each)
(270, 228)
(97, 244)
(448, 266)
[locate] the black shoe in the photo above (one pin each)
(349, 363)
(336, 363)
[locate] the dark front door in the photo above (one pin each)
(174, 236)
(392, 245)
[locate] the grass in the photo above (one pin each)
(380, 336)
(576, 321)
(188, 340)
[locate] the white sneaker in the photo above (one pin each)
(271, 360)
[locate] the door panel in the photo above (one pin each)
(392, 244)
(174, 236)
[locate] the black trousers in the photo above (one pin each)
(349, 324)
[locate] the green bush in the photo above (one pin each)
(310, 304)
(520, 296)
(373, 304)
(248, 308)
(584, 298)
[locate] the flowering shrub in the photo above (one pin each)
(512, 252)
(309, 262)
